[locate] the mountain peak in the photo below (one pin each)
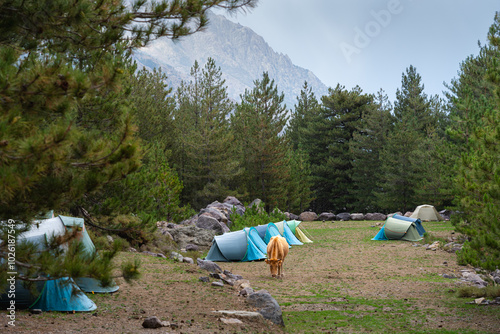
(241, 54)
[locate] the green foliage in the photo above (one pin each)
(254, 216)
(478, 182)
(259, 121)
(365, 148)
(328, 146)
(201, 155)
(475, 292)
(66, 116)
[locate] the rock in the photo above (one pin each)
(479, 300)
(188, 260)
(154, 322)
(191, 247)
(191, 234)
(267, 306)
(110, 239)
(208, 266)
(161, 255)
(448, 276)
(176, 256)
(257, 203)
(344, 216)
(232, 276)
(434, 246)
(204, 279)
(240, 314)
(246, 292)
(357, 216)
(241, 284)
(474, 278)
(150, 253)
(36, 311)
(446, 214)
(291, 216)
(326, 216)
(240, 208)
(218, 283)
(408, 213)
(231, 321)
(132, 250)
(226, 209)
(209, 223)
(375, 216)
(214, 213)
(308, 216)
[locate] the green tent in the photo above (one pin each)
(397, 229)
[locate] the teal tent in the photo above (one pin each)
(63, 294)
(242, 245)
(271, 231)
(287, 233)
(398, 229)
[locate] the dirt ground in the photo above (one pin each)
(341, 258)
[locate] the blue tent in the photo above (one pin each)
(242, 245)
(396, 228)
(63, 294)
(417, 221)
(287, 233)
(54, 295)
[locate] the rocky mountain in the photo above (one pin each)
(241, 54)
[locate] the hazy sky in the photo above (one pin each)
(370, 43)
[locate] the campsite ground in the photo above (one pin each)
(343, 282)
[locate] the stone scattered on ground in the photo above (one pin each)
(208, 266)
(267, 306)
(154, 322)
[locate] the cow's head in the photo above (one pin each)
(273, 265)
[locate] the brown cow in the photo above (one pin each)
(277, 250)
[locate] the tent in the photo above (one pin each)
(242, 245)
(299, 234)
(417, 221)
(398, 229)
(426, 212)
(287, 233)
(63, 294)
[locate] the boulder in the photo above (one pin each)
(357, 216)
(209, 223)
(267, 306)
(308, 216)
(291, 216)
(190, 234)
(258, 204)
(375, 216)
(408, 213)
(240, 208)
(446, 214)
(326, 216)
(344, 216)
(208, 266)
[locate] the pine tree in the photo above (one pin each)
(327, 143)
(365, 149)
(478, 181)
(65, 114)
(209, 167)
(260, 121)
(403, 165)
(305, 110)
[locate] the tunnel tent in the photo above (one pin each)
(398, 229)
(61, 294)
(287, 233)
(417, 221)
(242, 245)
(271, 231)
(426, 212)
(298, 232)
